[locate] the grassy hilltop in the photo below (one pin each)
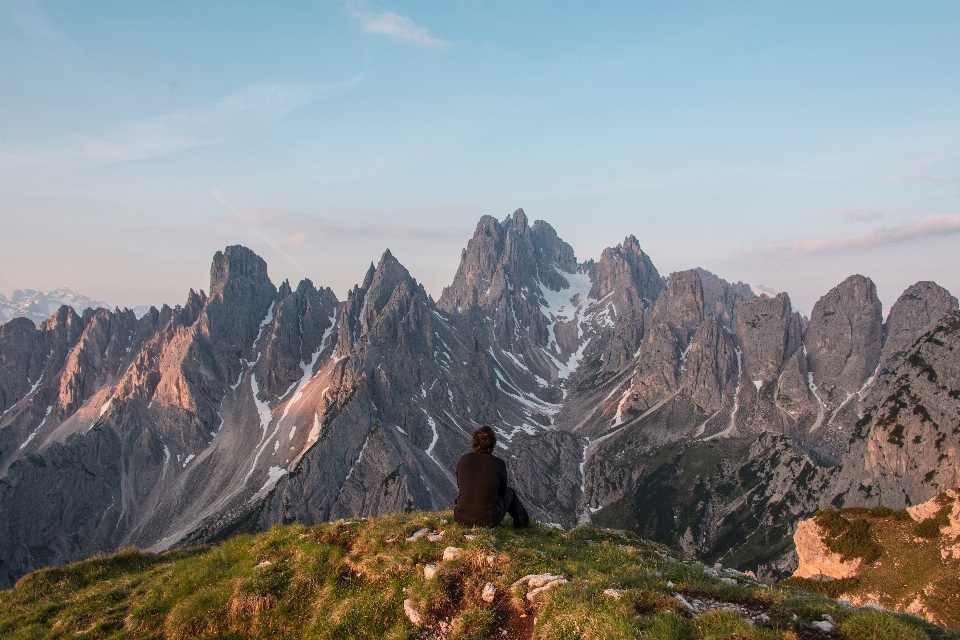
(364, 579)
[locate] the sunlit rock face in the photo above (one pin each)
(685, 408)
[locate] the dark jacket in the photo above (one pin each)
(482, 484)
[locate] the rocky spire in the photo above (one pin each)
(844, 338)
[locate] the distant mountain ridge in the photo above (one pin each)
(686, 409)
(39, 305)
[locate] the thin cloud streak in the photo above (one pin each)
(190, 128)
(302, 228)
(860, 213)
(929, 227)
(216, 194)
(394, 25)
(916, 176)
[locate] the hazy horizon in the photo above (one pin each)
(786, 145)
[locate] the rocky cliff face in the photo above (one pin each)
(687, 409)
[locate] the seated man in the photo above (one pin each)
(484, 496)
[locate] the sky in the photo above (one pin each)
(788, 144)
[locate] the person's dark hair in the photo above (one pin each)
(484, 440)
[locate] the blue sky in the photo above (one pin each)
(785, 144)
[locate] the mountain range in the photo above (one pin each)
(687, 409)
(39, 305)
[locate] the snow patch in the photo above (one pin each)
(187, 461)
(307, 370)
(564, 306)
(823, 407)
(34, 432)
(273, 476)
(761, 290)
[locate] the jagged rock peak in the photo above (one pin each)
(234, 268)
(915, 312)
(506, 257)
(240, 295)
(517, 221)
(626, 265)
(769, 333)
(681, 306)
(721, 297)
(844, 337)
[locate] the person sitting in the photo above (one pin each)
(484, 497)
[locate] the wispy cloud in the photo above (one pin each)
(222, 120)
(302, 228)
(393, 24)
(916, 176)
(30, 18)
(919, 173)
(859, 213)
(928, 227)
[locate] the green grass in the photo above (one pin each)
(851, 536)
(350, 580)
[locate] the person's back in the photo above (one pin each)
(484, 497)
(482, 480)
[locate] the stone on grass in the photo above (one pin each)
(264, 564)
(451, 553)
(684, 602)
(535, 592)
(489, 592)
(430, 571)
(419, 534)
(435, 537)
(728, 581)
(823, 625)
(411, 612)
(613, 593)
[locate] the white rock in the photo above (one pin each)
(684, 602)
(535, 592)
(264, 564)
(491, 560)
(435, 537)
(846, 603)
(469, 536)
(827, 617)
(451, 553)
(613, 593)
(718, 566)
(874, 606)
(412, 614)
(728, 581)
(430, 571)
(823, 625)
(713, 573)
(489, 592)
(670, 584)
(536, 580)
(419, 534)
